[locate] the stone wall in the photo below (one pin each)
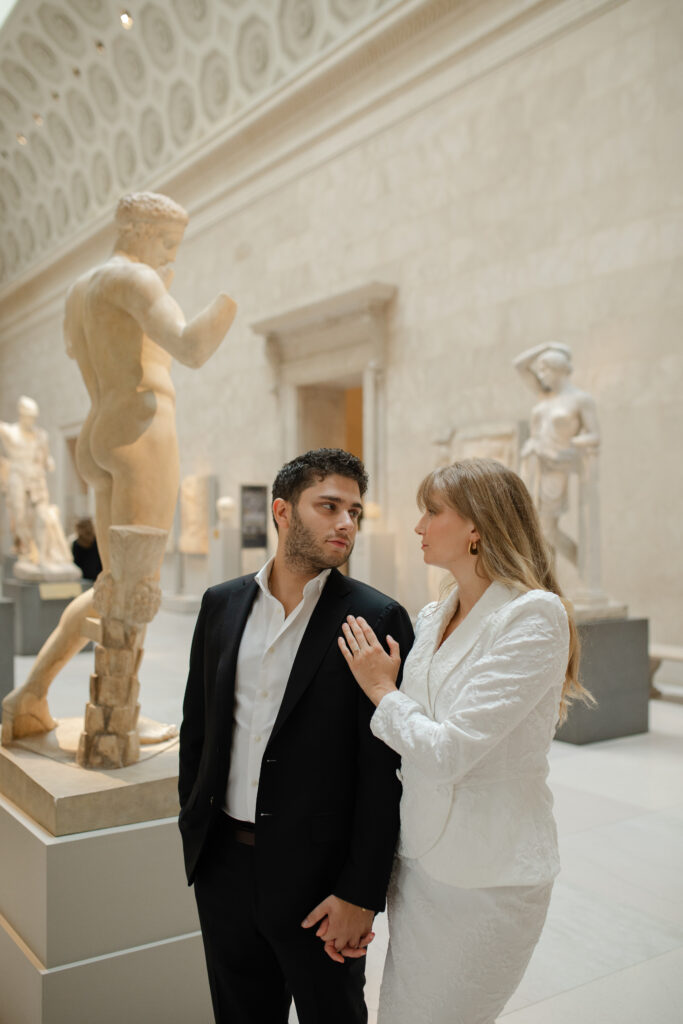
(538, 197)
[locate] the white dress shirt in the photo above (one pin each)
(264, 662)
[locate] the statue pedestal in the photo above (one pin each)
(96, 923)
(6, 647)
(615, 668)
(37, 609)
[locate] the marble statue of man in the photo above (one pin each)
(38, 538)
(124, 330)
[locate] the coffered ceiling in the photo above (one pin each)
(99, 97)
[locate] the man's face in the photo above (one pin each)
(320, 529)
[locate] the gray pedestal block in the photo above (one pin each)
(37, 610)
(6, 647)
(615, 668)
(98, 926)
(7, 570)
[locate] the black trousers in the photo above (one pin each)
(253, 976)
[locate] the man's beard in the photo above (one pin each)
(303, 553)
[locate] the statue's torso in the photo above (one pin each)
(127, 364)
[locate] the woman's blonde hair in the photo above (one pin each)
(511, 547)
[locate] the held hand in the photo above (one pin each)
(374, 670)
(342, 926)
(349, 952)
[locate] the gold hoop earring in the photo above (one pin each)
(473, 548)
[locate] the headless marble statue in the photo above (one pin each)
(123, 329)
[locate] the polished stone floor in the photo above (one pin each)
(612, 949)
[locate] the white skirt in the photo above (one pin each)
(455, 955)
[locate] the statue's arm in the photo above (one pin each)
(589, 434)
(48, 461)
(525, 361)
(523, 365)
(145, 298)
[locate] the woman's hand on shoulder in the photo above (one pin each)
(374, 670)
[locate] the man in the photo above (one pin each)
(289, 805)
(124, 330)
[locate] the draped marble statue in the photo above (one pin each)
(564, 441)
(37, 535)
(123, 329)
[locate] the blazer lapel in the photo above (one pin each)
(323, 628)
(233, 620)
(463, 638)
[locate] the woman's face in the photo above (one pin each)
(445, 535)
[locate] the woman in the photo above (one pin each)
(493, 666)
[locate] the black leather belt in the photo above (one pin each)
(241, 831)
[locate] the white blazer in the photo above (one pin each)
(473, 723)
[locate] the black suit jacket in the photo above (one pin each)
(327, 803)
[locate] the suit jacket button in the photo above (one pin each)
(211, 800)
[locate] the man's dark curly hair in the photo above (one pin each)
(313, 466)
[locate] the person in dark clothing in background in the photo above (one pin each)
(84, 550)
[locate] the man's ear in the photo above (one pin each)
(281, 512)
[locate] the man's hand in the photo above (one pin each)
(343, 927)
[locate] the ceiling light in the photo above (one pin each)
(99, 46)
(38, 119)
(126, 19)
(21, 139)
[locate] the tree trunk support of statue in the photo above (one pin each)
(126, 598)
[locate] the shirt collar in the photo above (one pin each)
(313, 586)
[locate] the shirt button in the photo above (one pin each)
(254, 782)
(257, 739)
(264, 693)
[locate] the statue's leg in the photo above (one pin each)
(17, 500)
(25, 711)
(132, 470)
(39, 528)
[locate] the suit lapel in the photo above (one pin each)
(323, 628)
(231, 627)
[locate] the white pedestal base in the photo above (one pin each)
(98, 926)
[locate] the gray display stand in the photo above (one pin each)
(37, 609)
(7, 570)
(6, 647)
(615, 668)
(98, 926)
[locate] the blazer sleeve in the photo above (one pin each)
(365, 875)
(505, 683)
(192, 727)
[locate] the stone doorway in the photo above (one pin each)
(331, 416)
